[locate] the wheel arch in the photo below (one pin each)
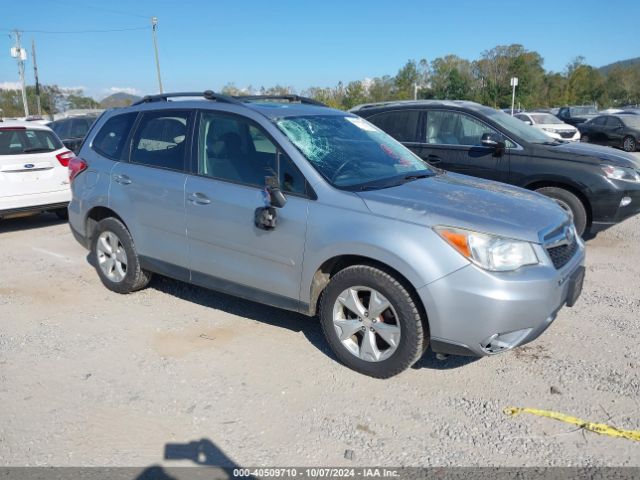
(535, 185)
(95, 215)
(331, 266)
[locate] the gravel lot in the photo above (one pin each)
(89, 377)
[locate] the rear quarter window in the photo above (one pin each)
(23, 141)
(400, 124)
(112, 136)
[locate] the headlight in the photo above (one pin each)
(621, 173)
(552, 130)
(497, 254)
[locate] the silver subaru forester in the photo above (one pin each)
(287, 202)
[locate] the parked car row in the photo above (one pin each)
(597, 186)
(284, 201)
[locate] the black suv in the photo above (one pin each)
(597, 185)
(72, 130)
(577, 115)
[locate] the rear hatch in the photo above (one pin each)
(32, 160)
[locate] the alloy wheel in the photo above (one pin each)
(366, 323)
(629, 145)
(112, 257)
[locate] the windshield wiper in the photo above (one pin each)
(417, 176)
(395, 181)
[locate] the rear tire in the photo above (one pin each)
(115, 258)
(569, 202)
(629, 144)
(400, 321)
(584, 138)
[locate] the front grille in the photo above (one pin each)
(567, 134)
(561, 255)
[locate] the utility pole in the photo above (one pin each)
(35, 74)
(415, 90)
(154, 26)
(20, 54)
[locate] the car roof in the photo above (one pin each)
(269, 106)
(409, 104)
(278, 110)
(23, 124)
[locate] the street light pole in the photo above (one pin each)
(154, 25)
(514, 84)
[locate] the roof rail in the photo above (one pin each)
(290, 97)
(208, 94)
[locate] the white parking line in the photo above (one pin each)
(53, 254)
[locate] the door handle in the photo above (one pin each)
(122, 179)
(433, 159)
(199, 198)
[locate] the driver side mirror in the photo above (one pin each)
(491, 140)
(266, 218)
(276, 196)
(528, 122)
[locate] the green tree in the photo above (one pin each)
(452, 78)
(355, 93)
(411, 76)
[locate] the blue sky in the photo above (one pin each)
(207, 44)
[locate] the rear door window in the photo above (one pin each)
(17, 141)
(161, 139)
(400, 124)
(111, 138)
(613, 122)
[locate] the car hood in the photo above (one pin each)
(595, 154)
(557, 126)
(467, 202)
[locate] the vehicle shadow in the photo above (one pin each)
(309, 327)
(203, 453)
(451, 362)
(30, 223)
(296, 322)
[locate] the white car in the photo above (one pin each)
(33, 170)
(551, 125)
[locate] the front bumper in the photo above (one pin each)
(573, 138)
(608, 208)
(479, 313)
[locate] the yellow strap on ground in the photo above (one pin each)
(600, 428)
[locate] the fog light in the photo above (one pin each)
(625, 201)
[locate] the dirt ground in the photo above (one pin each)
(90, 377)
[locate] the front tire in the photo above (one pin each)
(372, 322)
(570, 203)
(115, 258)
(629, 144)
